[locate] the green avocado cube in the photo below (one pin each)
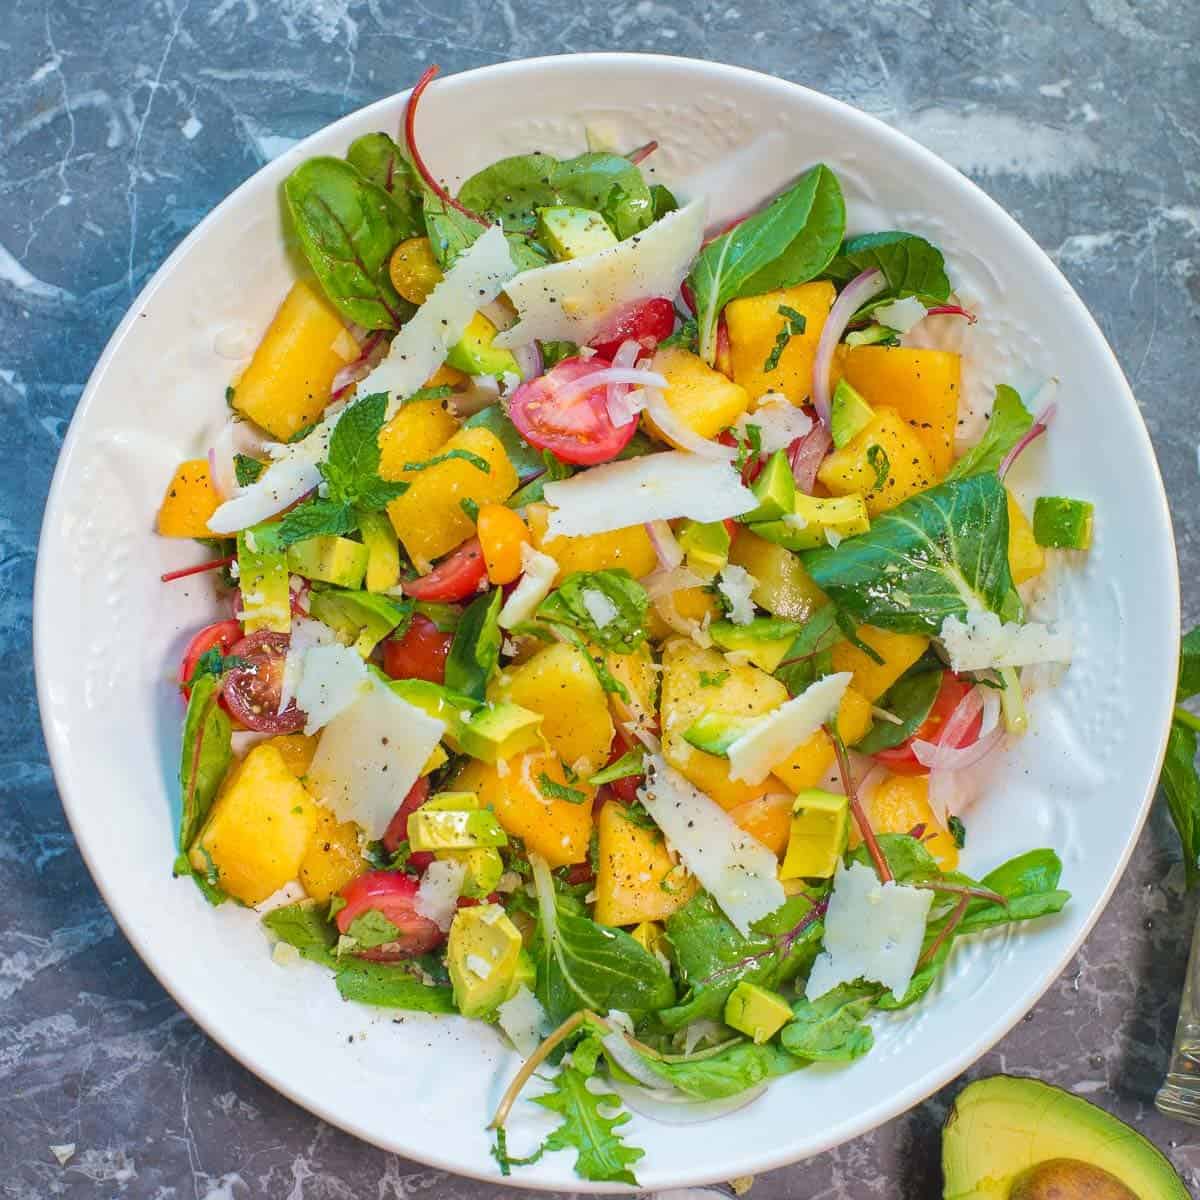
(765, 640)
(706, 544)
(453, 802)
(774, 489)
(489, 732)
(820, 824)
(484, 866)
(263, 578)
(849, 414)
(525, 975)
(383, 551)
(715, 732)
(817, 521)
(475, 354)
(756, 1011)
(1062, 523)
(483, 952)
(454, 830)
(569, 232)
(361, 618)
(329, 559)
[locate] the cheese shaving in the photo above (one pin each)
(981, 642)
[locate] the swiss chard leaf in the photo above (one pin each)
(809, 656)
(728, 1071)
(791, 241)
(1009, 422)
(450, 232)
(205, 756)
(911, 699)
(831, 1028)
(933, 556)
(475, 651)
(913, 266)
(608, 607)
(377, 158)
(348, 228)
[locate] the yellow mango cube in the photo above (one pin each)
(635, 879)
(629, 547)
(782, 586)
(414, 434)
(899, 805)
(887, 462)
(333, 856)
(258, 829)
(702, 399)
(767, 819)
(898, 650)
(296, 750)
(638, 674)
(189, 501)
(755, 324)
(287, 384)
(807, 765)
(1026, 559)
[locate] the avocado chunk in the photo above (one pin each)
(475, 354)
(482, 954)
(715, 732)
(756, 1011)
(485, 731)
(1000, 1128)
(329, 559)
(453, 802)
(573, 232)
(774, 489)
(1062, 523)
(483, 865)
(849, 414)
(263, 577)
(765, 641)
(360, 618)
(383, 551)
(816, 521)
(525, 976)
(450, 830)
(820, 823)
(706, 544)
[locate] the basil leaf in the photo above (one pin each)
(1181, 787)
(204, 758)
(791, 241)
(911, 699)
(1189, 666)
(913, 266)
(1010, 420)
(348, 228)
(608, 607)
(733, 1069)
(475, 651)
(830, 1028)
(924, 560)
(302, 925)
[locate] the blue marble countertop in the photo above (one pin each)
(122, 123)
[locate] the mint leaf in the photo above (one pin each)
(600, 1153)
(553, 790)
(630, 764)
(316, 518)
(476, 460)
(246, 469)
(354, 444)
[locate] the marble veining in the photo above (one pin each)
(122, 124)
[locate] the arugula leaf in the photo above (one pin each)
(475, 651)
(575, 601)
(600, 1152)
(791, 241)
(348, 228)
(631, 763)
(553, 790)
(911, 699)
(1189, 666)
(731, 1069)
(316, 518)
(204, 758)
(927, 559)
(1181, 787)
(1010, 420)
(246, 469)
(584, 965)
(830, 1028)
(913, 266)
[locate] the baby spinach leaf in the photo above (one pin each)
(302, 925)
(348, 228)
(830, 1028)
(450, 232)
(205, 756)
(1009, 422)
(911, 699)
(608, 607)
(391, 985)
(732, 1069)
(913, 266)
(475, 651)
(791, 241)
(931, 557)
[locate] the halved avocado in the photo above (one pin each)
(1000, 1128)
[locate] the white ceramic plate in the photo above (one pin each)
(108, 634)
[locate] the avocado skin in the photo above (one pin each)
(1001, 1127)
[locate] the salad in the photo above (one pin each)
(611, 619)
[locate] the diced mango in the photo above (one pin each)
(296, 749)
(899, 805)
(258, 829)
(701, 398)
(560, 683)
(691, 604)
(923, 386)
(1026, 559)
(629, 547)
(783, 587)
(333, 856)
(742, 691)
(887, 462)
(635, 879)
(189, 501)
(448, 376)
(638, 674)
(767, 819)
(287, 384)
(898, 650)
(414, 434)
(557, 829)
(429, 517)
(807, 765)
(755, 324)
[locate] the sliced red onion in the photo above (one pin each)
(371, 353)
(630, 1061)
(946, 754)
(945, 795)
(500, 313)
(669, 580)
(605, 376)
(855, 294)
(673, 1108)
(680, 434)
(529, 361)
(669, 551)
(624, 404)
(1044, 400)
(947, 758)
(806, 454)
(648, 739)
(483, 393)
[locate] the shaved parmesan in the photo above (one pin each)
(739, 872)
(523, 1019)
(537, 580)
(331, 678)
(770, 740)
(982, 642)
(575, 300)
(477, 278)
(779, 422)
(441, 886)
(735, 585)
(873, 931)
(371, 754)
(901, 315)
(599, 607)
(651, 488)
(306, 633)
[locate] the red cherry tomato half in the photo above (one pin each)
(901, 760)
(578, 431)
(455, 578)
(397, 830)
(648, 324)
(220, 636)
(252, 692)
(393, 896)
(419, 654)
